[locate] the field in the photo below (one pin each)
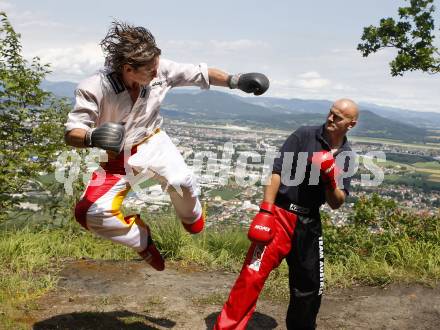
(399, 143)
(225, 193)
(412, 167)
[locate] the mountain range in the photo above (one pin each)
(288, 114)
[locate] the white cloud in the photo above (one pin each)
(311, 80)
(315, 83)
(310, 75)
(4, 5)
(283, 83)
(72, 63)
(40, 23)
(238, 45)
(345, 51)
(185, 44)
(308, 84)
(343, 87)
(28, 21)
(217, 45)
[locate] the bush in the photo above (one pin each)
(383, 244)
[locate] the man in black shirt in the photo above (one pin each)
(305, 176)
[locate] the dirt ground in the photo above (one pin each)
(130, 295)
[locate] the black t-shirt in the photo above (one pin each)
(298, 186)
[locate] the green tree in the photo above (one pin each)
(30, 121)
(412, 35)
(373, 211)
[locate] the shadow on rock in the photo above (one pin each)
(103, 320)
(258, 321)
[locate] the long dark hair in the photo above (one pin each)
(128, 44)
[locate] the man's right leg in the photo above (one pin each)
(160, 156)
(99, 211)
(189, 209)
(258, 264)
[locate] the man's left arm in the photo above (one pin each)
(180, 74)
(256, 83)
(335, 194)
(335, 197)
(218, 77)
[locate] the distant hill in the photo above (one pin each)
(290, 105)
(237, 110)
(217, 106)
(288, 114)
(415, 118)
(59, 88)
(373, 125)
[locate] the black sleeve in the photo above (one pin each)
(290, 145)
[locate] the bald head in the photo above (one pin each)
(347, 108)
(342, 117)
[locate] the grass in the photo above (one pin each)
(427, 165)
(214, 298)
(405, 250)
(428, 171)
(402, 261)
(218, 250)
(30, 260)
(434, 178)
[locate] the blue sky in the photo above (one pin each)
(308, 49)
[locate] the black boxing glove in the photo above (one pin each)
(108, 136)
(256, 83)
